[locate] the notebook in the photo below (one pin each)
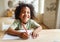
(10, 37)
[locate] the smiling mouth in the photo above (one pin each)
(25, 17)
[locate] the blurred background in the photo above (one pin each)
(47, 12)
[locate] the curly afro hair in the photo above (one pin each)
(21, 5)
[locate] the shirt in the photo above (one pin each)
(29, 25)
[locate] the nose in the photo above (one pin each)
(25, 14)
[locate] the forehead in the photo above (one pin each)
(25, 8)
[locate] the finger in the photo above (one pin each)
(25, 35)
(35, 35)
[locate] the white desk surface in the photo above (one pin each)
(48, 35)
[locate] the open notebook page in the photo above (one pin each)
(10, 37)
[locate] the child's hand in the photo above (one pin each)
(34, 35)
(23, 35)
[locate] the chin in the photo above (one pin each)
(25, 21)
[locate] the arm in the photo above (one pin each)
(12, 32)
(23, 35)
(37, 28)
(36, 31)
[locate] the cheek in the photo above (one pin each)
(21, 15)
(29, 16)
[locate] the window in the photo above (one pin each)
(38, 4)
(41, 6)
(33, 2)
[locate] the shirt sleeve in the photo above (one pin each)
(15, 24)
(34, 24)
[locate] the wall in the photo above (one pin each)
(58, 16)
(3, 7)
(39, 18)
(49, 18)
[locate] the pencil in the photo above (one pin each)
(25, 28)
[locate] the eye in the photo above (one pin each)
(28, 12)
(23, 11)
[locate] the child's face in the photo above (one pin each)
(25, 14)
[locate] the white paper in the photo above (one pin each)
(10, 37)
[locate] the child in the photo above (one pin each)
(23, 20)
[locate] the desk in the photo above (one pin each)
(48, 35)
